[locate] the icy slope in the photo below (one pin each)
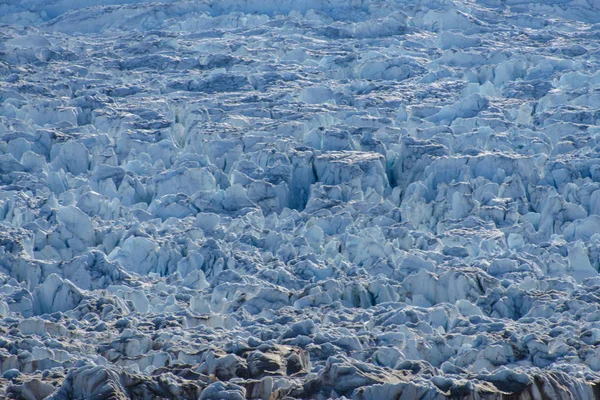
(299, 199)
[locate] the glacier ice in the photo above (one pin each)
(299, 199)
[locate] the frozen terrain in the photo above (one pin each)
(299, 199)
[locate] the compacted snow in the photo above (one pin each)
(299, 199)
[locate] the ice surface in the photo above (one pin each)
(299, 199)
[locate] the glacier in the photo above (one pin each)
(300, 199)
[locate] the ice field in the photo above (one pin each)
(299, 199)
